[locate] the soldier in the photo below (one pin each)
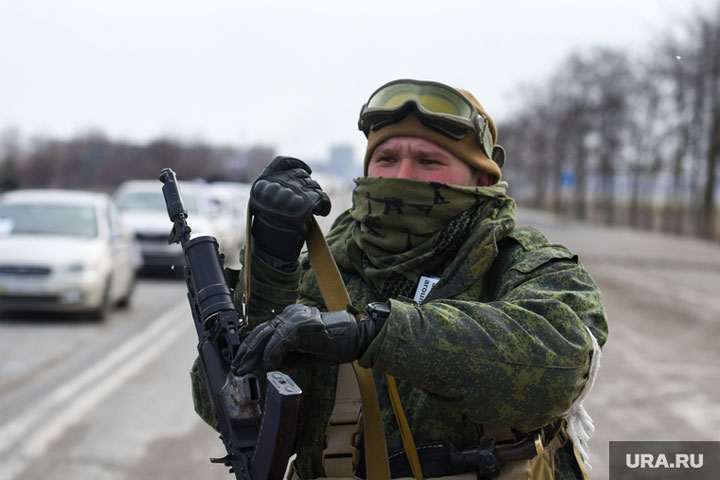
(489, 329)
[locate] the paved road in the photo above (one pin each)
(80, 400)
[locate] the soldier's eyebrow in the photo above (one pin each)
(430, 153)
(385, 151)
(424, 152)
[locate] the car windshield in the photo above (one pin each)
(48, 219)
(152, 201)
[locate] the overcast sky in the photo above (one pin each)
(292, 74)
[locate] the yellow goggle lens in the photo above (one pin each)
(433, 98)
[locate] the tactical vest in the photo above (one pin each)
(340, 457)
(345, 426)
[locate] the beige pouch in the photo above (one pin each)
(542, 467)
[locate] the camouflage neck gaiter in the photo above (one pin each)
(407, 228)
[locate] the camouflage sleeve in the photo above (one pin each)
(271, 290)
(519, 360)
(201, 399)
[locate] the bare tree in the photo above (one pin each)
(603, 117)
(609, 88)
(711, 51)
(647, 130)
(677, 67)
(523, 168)
(574, 106)
(696, 77)
(9, 159)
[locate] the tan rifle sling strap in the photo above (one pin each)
(340, 456)
(246, 262)
(343, 426)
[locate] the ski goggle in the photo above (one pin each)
(438, 106)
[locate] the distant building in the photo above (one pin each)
(342, 161)
(245, 164)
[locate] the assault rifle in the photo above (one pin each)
(258, 446)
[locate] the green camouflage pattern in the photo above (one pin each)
(501, 339)
(407, 228)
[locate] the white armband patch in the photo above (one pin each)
(424, 286)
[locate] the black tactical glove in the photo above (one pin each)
(284, 199)
(302, 335)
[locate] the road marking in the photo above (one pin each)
(38, 426)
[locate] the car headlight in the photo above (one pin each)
(77, 267)
(83, 266)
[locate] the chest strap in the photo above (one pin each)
(344, 428)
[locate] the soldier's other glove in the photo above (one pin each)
(284, 199)
(303, 335)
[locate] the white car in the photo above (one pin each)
(232, 199)
(63, 250)
(142, 206)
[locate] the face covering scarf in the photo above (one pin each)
(407, 228)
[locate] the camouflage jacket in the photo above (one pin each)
(502, 345)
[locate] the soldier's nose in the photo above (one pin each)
(405, 169)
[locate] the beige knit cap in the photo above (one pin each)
(468, 149)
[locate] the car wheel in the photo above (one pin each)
(102, 311)
(124, 301)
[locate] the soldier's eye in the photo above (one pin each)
(427, 161)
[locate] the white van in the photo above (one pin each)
(143, 209)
